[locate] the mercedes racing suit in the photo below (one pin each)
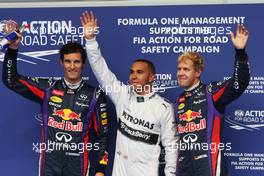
(67, 116)
(143, 122)
(199, 115)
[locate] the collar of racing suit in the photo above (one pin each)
(143, 98)
(193, 90)
(72, 86)
(193, 87)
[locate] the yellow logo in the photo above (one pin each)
(104, 115)
(181, 106)
(104, 122)
(55, 99)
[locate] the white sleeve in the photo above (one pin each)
(107, 80)
(169, 139)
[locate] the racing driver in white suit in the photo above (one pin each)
(144, 118)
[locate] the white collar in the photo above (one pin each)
(143, 98)
(194, 86)
(74, 85)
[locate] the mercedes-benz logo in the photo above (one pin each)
(191, 137)
(61, 135)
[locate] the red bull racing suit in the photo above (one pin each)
(199, 115)
(143, 123)
(67, 116)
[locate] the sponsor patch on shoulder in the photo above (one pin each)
(181, 106)
(58, 93)
(56, 99)
(181, 99)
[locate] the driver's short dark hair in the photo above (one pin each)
(149, 63)
(72, 47)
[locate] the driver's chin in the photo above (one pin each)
(137, 87)
(181, 84)
(184, 86)
(73, 78)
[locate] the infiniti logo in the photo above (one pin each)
(83, 97)
(61, 135)
(191, 137)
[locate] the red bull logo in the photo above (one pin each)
(105, 159)
(66, 114)
(64, 125)
(190, 115)
(192, 127)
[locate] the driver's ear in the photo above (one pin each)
(199, 73)
(152, 77)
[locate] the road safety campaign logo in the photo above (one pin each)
(164, 81)
(28, 57)
(45, 33)
(250, 120)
